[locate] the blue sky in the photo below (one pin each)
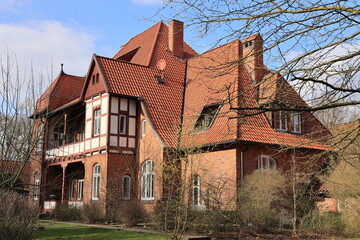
(46, 33)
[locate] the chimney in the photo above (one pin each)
(176, 37)
(253, 56)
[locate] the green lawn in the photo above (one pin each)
(74, 231)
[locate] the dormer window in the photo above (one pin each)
(282, 121)
(207, 117)
(296, 121)
(248, 44)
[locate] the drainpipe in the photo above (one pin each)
(242, 162)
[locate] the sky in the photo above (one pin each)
(42, 34)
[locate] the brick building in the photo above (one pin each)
(116, 129)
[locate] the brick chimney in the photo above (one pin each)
(253, 56)
(176, 37)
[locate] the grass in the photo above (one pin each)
(69, 231)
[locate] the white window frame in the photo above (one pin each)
(147, 180)
(282, 121)
(97, 120)
(80, 189)
(36, 186)
(196, 187)
(296, 119)
(126, 187)
(96, 182)
(143, 128)
(71, 189)
(265, 162)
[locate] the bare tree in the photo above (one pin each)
(17, 139)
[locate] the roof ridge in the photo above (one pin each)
(122, 61)
(154, 42)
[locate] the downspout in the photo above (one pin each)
(182, 108)
(242, 162)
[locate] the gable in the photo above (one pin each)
(95, 82)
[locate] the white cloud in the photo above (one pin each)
(148, 2)
(47, 44)
(13, 5)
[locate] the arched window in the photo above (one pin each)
(96, 182)
(196, 190)
(36, 186)
(147, 180)
(265, 161)
(126, 187)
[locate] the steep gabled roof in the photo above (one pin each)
(63, 90)
(144, 46)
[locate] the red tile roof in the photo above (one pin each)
(137, 78)
(64, 89)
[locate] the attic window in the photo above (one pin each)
(248, 44)
(207, 117)
(128, 56)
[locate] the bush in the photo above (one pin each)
(328, 222)
(64, 212)
(93, 213)
(261, 199)
(17, 216)
(130, 212)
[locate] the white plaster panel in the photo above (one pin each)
(114, 104)
(102, 141)
(131, 142)
(95, 142)
(114, 124)
(122, 141)
(96, 103)
(81, 147)
(132, 126)
(103, 125)
(132, 110)
(124, 104)
(113, 141)
(88, 129)
(87, 144)
(89, 111)
(71, 149)
(104, 105)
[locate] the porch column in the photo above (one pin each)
(63, 165)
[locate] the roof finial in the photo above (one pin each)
(62, 69)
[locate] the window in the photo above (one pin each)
(96, 182)
(71, 189)
(36, 186)
(248, 44)
(122, 124)
(97, 118)
(282, 121)
(265, 161)
(147, 180)
(97, 78)
(296, 120)
(40, 139)
(59, 135)
(196, 190)
(143, 128)
(126, 187)
(207, 117)
(80, 189)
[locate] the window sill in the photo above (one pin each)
(147, 201)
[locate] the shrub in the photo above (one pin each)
(328, 222)
(64, 212)
(17, 216)
(93, 212)
(261, 199)
(130, 212)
